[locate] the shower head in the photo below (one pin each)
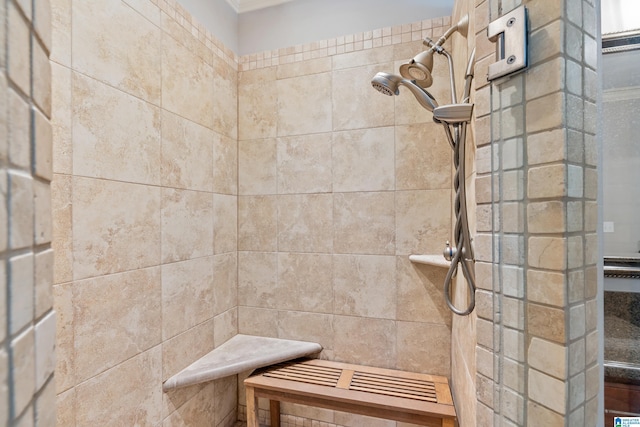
(419, 68)
(388, 84)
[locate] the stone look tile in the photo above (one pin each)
(43, 226)
(61, 32)
(45, 343)
(123, 308)
(547, 390)
(357, 279)
(134, 389)
(305, 326)
(186, 284)
(225, 326)
(4, 116)
(188, 91)
(547, 252)
(546, 217)
(114, 44)
(41, 80)
(305, 282)
(65, 354)
(372, 108)
(124, 237)
(43, 151)
(115, 135)
(423, 158)
(257, 223)
(225, 277)
(257, 279)
(257, 105)
(197, 411)
(546, 287)
(21, 287)
(364, 223)
(225, 220)
(257, 167)
(19, 131)
(363, 160)
(305, 223)
(295, 114)
(187, 224)
(24, 369)
(182, 350)
(548, 357)
(19, 69)
(62, 234)
(61, 119)
(304, 164)
(424, 347)
(371, 342)
(546, 322)
(225, 94)
(225, 165)
(420, 296)
(4, 308)
(545, 113)
(257, 321)
(187, 154)
(423, 223)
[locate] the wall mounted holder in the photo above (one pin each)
(511, 34)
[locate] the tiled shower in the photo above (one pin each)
(197, 194)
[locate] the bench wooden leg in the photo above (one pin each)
(252, 408)
(274, 409)
(447, 422)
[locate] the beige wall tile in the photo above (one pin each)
(41, 80)
(124, 308)
(257, 167)
(545, 113)
(225, 279)
(23, 369)
(43, 149)
(304, 326)
(114, 44)
(303, 111)
(257, 321)
(364, 223)
(61, 32)
(135, 390)
(257, 279)
(225, 220)
(305, 223)
(547, 181)
(62, 234)
(546, 322)
(19, 63)
(43, 226)
(188, 91)
(186, 284)
(65, 345)
(187, 224)
(423, 222)
(66, 408)
(257, 104)
(61, 119)
(225, 326)
(182, 350)
(303, 68)
(546, 42)
(424, 347)
(3, 302)
(305, 282)
(423, 158)
(115, 135)
(546, 217)
(547, 390)
(257, 223)
(225, 165)
(304, 164)
(546, 287)
(547, 252)
(352, 420)
(187, 154)
(226, 400)
(21, 287)
(19, 130)
(546, 146)
(365, 341)
(420, 297)
(365, 286)
(363, 160)
(125, 237)
(363, 57)
(175, 398)
(4, 117)
(197, 411)
(548, 357)
(45, 343)
(225, 95)
(372, 109)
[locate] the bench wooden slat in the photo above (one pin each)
(384, 393)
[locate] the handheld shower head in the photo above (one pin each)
(388, 84)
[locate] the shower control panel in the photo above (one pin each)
(510, 32)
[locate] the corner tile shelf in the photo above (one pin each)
(434, 260)
(241, 353)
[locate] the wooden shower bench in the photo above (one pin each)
(383, 393)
